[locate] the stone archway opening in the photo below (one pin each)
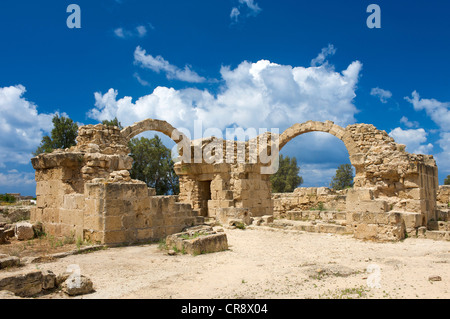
(313, 196)
(318, 155)
(153, 163)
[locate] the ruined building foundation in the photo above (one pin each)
(86, 191)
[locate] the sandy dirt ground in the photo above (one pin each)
(265, 263)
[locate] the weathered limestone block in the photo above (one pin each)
(411, 220)
(198, 240)
(8, 261)
(24, 231)
(27, 284)
(224, 215)
(77, 285)
(11, 214)
(377, 226)
(368, 206)
(443, 196)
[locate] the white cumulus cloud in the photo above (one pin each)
(250, 6)
(383, 95)
(158, 64)
(438, 111)
(234, 14)
(21, 126)
(414, 139)
(259, 95)
(321, 58)
(410, 124)
(140, 32)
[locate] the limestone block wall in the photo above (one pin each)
(129, 212)
(111, 213)
(443, 203)
(59, 193)
(308, 198)
(86, 192)
(364, 215)
(212, 188)
(443, 196)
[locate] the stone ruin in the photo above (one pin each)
(87, 190)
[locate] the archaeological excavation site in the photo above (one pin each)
(87, 190)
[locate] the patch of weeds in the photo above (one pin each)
(39, 231)
(193, 236)
(93, 249)
(240, 225)
(162, 244)
(350, 293)
(320, 207)
(69, 240)
(83, 242)
(182, 251)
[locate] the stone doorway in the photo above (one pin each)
(205, 196)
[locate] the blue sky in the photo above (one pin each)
(245, 63)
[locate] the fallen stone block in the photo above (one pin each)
(198, 241)
(437, 235)
(24, 231)
(3, 238)
(28, 284)
(23, 285)
(9, 261)
(224, 215)
(267, 219)
(77, 285)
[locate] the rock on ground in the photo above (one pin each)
(24, 231)
(77, 285)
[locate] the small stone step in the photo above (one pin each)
(307, 215)
(438, 225)
(437, 235)
(337, 227)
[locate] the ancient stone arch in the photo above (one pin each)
(153, 125)
(88, 189)
(312, 126)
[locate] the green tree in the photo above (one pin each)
(7, 198)
(447, 180)
(343, 178)
(286, 179)
(114, 122)
(153, 165)
(63, 135)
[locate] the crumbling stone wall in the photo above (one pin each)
(308, 198)
(443, 203)
(86, 191)
(443, 196)
(130, 212)
(406, 181)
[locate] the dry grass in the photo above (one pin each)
(44, 245)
